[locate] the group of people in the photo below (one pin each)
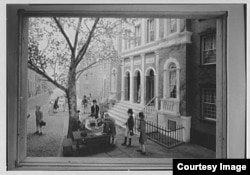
(58, 104)
(107, 122)
(129, 131)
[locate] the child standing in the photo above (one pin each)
(142, 130)
(39, 118)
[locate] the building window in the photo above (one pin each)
(208, 49)
(113, 80)
(209, 103)
(171, 125)
(173, 25)
(172, 80)
(150, 30)
(138, 35)
(127, 39)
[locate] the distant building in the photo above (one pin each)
(36, 84)
(95, 82)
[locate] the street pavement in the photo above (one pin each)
(50, 143)
(153, 150)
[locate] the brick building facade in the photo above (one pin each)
(171, 63)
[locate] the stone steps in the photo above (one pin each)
(119, 111)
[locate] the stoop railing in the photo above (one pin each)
(162, 135)
(150, 109)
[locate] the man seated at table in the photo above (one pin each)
(109, 127)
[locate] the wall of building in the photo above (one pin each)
(177, 52)
(203, 132)
(36, 85)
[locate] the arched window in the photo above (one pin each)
(172, 80)
(113, 80)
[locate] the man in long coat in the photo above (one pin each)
(142, 130)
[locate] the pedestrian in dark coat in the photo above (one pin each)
(129, 128)
(94, 110)
(56, 104)
(142, 130)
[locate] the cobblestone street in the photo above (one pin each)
(49, 143)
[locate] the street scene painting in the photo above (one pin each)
(121, 87)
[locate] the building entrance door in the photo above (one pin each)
(127, 86)
(150, 86)
(137, 88)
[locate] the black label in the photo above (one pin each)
(211, 166)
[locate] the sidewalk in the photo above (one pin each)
(153, 149)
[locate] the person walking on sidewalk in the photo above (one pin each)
(129, 128)
(142, 130)
(39, 119)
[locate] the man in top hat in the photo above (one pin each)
(94, 109)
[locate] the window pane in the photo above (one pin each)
(209, 103)
(209, 49)
(172, 80)
(173, 25)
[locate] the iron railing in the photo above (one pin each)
(162, 135)
(150, 109)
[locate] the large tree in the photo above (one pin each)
(61, 49)
(57, 46)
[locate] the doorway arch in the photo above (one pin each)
(137, 86)
(127, 86)
(150, 84)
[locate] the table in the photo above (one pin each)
(91, 139)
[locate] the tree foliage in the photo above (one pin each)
(61, 49)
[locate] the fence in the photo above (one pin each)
(162, 135)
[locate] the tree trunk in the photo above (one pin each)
(72, 101)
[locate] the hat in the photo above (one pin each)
(141, 115)
(106, 114)
(130, 111)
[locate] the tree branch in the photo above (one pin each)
(78, 73)
(77, 33)
(85, 46)
(86, 25)
(37, 70)
(65, 35)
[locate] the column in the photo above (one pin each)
(122, 88)
(178, 25)
(157, 29)
(143, 32)
(165, 28)
(131, 95)
(157, 79)
(142, 79)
